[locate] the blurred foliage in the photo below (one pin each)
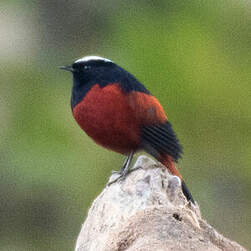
(193, 55)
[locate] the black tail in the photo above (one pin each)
(186, 192)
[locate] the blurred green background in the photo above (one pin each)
(195, 56)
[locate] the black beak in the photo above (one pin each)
(66, 68)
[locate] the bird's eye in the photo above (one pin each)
(87, 67)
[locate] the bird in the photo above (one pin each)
(118, 112)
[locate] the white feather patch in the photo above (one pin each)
(90, 58)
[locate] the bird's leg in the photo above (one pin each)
(123, 166)
(124, 170)
(126, 166)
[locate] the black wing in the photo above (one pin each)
(161, 139)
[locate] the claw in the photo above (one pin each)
(122, 176)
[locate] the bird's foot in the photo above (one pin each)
(124, 170)
(122, 174)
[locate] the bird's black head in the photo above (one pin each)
(88, 71)
(87, 68)
(92, 70)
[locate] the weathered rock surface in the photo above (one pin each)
(147, 211)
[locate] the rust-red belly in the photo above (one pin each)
(105, 115)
